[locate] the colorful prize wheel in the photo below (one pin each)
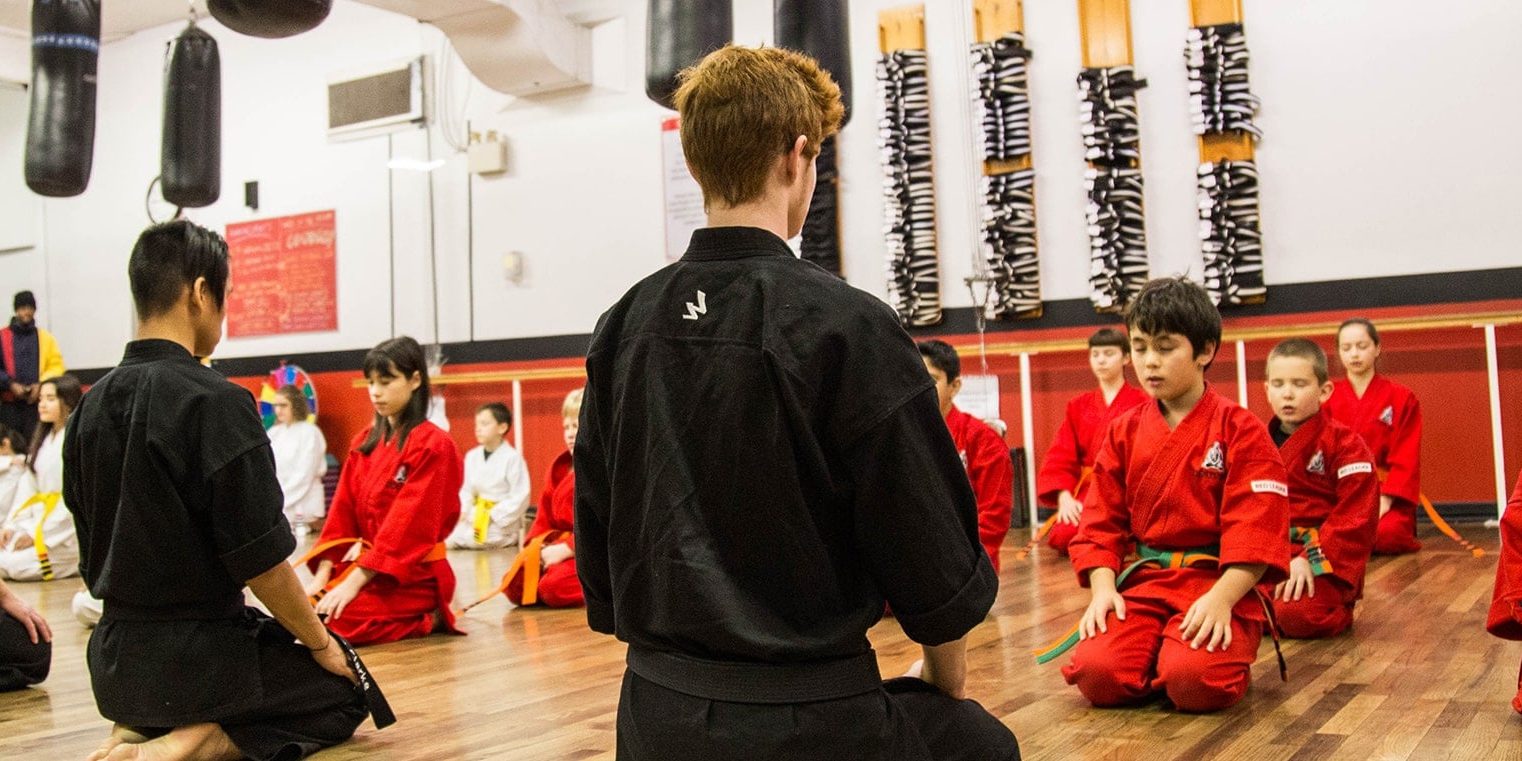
(286, 375)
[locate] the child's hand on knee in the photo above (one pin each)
(1094, 618)
(1208, 622)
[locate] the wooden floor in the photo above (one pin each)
(1418, 678)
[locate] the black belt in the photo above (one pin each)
(230, 607)
(766, 683)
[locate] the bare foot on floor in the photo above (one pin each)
(198, 742)
(119, 735)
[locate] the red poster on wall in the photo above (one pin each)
(284, 275)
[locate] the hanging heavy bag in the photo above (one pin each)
(60, 133)
(822, 30)
(678, 35)
(270, 19)
(191, 159)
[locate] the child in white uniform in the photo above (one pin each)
(300, 459)
(496, 487)
(37, 540)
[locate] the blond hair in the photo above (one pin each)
(571, 407)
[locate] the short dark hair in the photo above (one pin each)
(401, 356)
(1305, 349)
(942, 357)
(168, 258)
(1365, 322)
(499, 411)
(1109, 337)
(1176, 305)
(23, 299)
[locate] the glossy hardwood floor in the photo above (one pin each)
(1418, 678)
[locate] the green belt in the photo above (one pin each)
(1311, 538)
(1145, 556)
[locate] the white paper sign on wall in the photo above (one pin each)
(684, 199)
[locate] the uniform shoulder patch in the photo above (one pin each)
(1270, 486)
(1353, 468)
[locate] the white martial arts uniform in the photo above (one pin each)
(301, 460)
(38, 506)
(492, 499)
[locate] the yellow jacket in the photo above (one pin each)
(50, 359)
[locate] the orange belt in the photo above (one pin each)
(439, 552)
(529, 565)
(1437, 520)
(1046, 526)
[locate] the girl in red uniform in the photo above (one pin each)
(380, 572)
(1388, 417)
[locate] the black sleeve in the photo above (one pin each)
(592, 500)
(72, 497)
(917, 524)
(248, 527)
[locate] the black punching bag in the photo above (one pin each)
(190, 163)
(60, 134)
(270, 19)
(822, 30)
(678, 35)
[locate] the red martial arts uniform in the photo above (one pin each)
(992, 473)
(1074, 449)
(1505, 620)
(404, 503)
(1333, 489)
(559, 586)
(1389, 419)
(1213, 485)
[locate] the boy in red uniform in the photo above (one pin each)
(1193, 482)
(1505, 620)
(1334, 496)
(984, 453)
(558, 586)
(1062, 480)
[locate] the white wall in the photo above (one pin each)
(1381, 157)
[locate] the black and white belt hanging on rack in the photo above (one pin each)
(1222, 104)
(1001, 95)
(1113, 181)
(914, 279)
(1220, 96)
(1232, 243)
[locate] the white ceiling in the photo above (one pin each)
(123, 17)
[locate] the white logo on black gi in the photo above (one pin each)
(1318, 464)
(1388, 416)
(700, 308)
(1215, 459)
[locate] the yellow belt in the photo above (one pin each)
(481, 519)
(49, 502)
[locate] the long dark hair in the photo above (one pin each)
(399, 357)
(69, 393)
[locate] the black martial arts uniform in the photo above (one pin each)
(21, 663)
(760, 464)
(172, 484)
